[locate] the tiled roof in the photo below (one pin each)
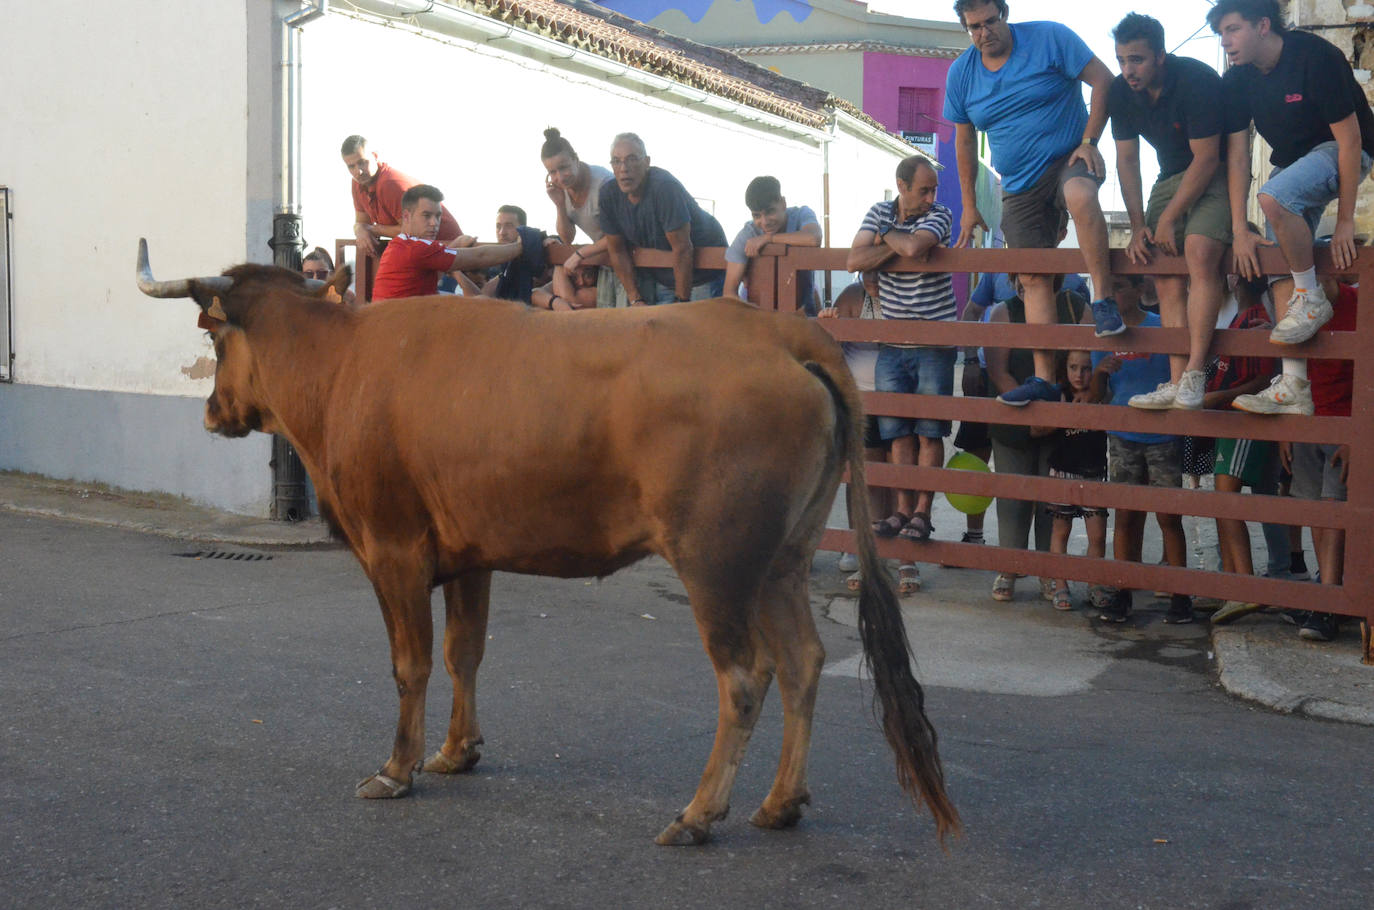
(609, 34)
(760, 50)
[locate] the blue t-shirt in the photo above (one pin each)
(996, 287)
(797, 217)
(1032, 108)
(1139, 373)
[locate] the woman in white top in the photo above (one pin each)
(574, 187)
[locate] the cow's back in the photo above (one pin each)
(571, 443)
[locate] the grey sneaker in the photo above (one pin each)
(1192, 385)
(1161, 399)
(1307, 312)
(1285, 395)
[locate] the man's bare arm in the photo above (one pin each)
(864, 254)
(680, 239)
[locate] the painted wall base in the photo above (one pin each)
(153, 443)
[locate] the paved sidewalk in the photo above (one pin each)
(1259, 658)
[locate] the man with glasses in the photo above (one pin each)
(646, 207)
(1022, 85)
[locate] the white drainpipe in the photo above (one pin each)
(289, 190)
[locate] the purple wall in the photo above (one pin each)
(884, 74)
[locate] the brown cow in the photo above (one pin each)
(449, 439)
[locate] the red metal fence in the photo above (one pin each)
(772, 285)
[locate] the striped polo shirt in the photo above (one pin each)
(914, 295)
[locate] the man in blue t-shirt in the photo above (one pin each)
(1022, 85)
(646, 207)
(1154, 459)
(772, 221)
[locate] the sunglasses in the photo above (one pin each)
(320, 274)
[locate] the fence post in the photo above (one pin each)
(1359, 547)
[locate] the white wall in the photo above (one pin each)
(127, 121)
(471, 123)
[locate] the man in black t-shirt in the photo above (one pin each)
(1175, 104)
(647, 207)
(1301, 94)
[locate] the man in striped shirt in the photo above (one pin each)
(910, 226)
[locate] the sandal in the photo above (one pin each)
(890, 526)
(1004, 587)
(908, 579)
(918, 528)
(855, 581)
(1062, 600)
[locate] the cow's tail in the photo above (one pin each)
(898, 698)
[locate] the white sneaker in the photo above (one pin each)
(1192, 385)
(1307, 312)
(848, 562)
(1161, 399)
(1285, 395)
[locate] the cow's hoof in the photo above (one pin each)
(379, 786)
(786, 817)
(439, 763)
(681, 834)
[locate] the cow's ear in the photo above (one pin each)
(213, 317)
(341, 279)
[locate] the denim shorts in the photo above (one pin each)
(713, 287)
(920, 371)
(1307, 186)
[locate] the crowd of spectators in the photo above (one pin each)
(1020, 85)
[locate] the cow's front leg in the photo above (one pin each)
(403, 591)
(466, 600)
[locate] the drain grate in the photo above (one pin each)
(239, 556)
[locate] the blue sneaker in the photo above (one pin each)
(1106, 319)
(1033, 389)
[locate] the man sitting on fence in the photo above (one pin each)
(1301, 94)
(414, 260)
(647, 208)
(910, 226)
(1138, 458)
(1175, 104)
(772, 221)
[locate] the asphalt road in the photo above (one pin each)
(187, 732)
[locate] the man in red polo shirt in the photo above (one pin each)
(377, 192)
(415, 258)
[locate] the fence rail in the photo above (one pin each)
(772, 284)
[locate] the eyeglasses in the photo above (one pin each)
(320, 274)
(975, 27)
(627, 161)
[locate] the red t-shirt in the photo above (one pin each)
(1333, 381)
(381, 200)
(410, 267)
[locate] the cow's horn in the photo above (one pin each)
(179, 288)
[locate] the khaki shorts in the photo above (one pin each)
(1034, 218)
(1209, 215)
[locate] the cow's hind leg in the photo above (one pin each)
(743, 672)
(465, 637)
(790, 635)
(403, 591)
